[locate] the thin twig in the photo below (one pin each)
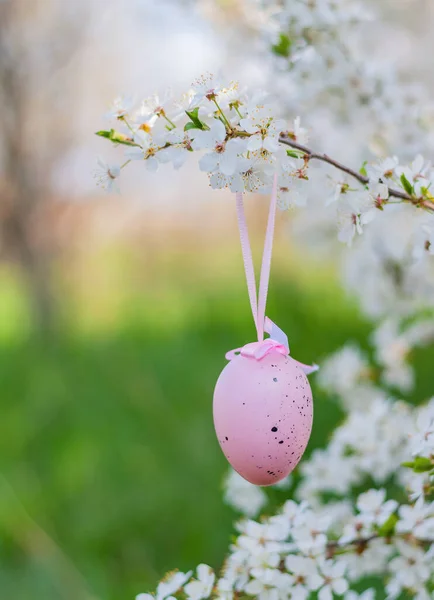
(362, 543)
(427, 204)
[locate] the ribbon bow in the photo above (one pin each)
(278, 340)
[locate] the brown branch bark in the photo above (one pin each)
(362, 543)
(311, 155)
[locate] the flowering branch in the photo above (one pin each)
(236, 140)
(310, 154)
(291, 553)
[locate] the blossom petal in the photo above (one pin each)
(254, 143)
(209, 162)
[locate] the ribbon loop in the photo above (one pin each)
(276, 333)
(278, 340)
(258, 304)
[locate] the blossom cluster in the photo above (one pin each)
(237, 136)
(379, 433)
(349, 375)
(371, 445)
(319, 60)
(300, 552)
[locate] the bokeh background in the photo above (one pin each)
(116, 311)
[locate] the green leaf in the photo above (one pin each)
(190, 125)
(406, 185)
(420, 464)
(102, 133)
(362, 170)
(283, 46)
(294, 153)
(194, 117)
(388, 526)
(116, 137)
(193, 114)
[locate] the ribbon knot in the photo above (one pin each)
(258, 350)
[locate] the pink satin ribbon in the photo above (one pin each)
(278, 341)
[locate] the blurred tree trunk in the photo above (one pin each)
(36, 267)
(38, 39)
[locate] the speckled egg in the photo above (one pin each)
(263, 414)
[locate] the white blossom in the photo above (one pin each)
(202, 586)
(344, 370)
(168, 586)
(410, 569)
(374, 508)
(422, 436)
(424, 239)
(264, 129)
(379, 192)
(383, 170)
(353, 214)
(310, 535)
(268, 584)
(392, 350)
(206, 87)
(156, 106)
(415, 171)
(106, 176)
(298, 133)
(417, 519)
(121, 106)
(333, 573)
(147, 149)
(305, 576)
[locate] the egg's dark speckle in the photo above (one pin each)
(281, 442)
(275, 379)
(226, 438)
(274, 429)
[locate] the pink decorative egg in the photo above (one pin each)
(263, 414)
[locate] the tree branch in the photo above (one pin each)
(310, 154)
(362, 543)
